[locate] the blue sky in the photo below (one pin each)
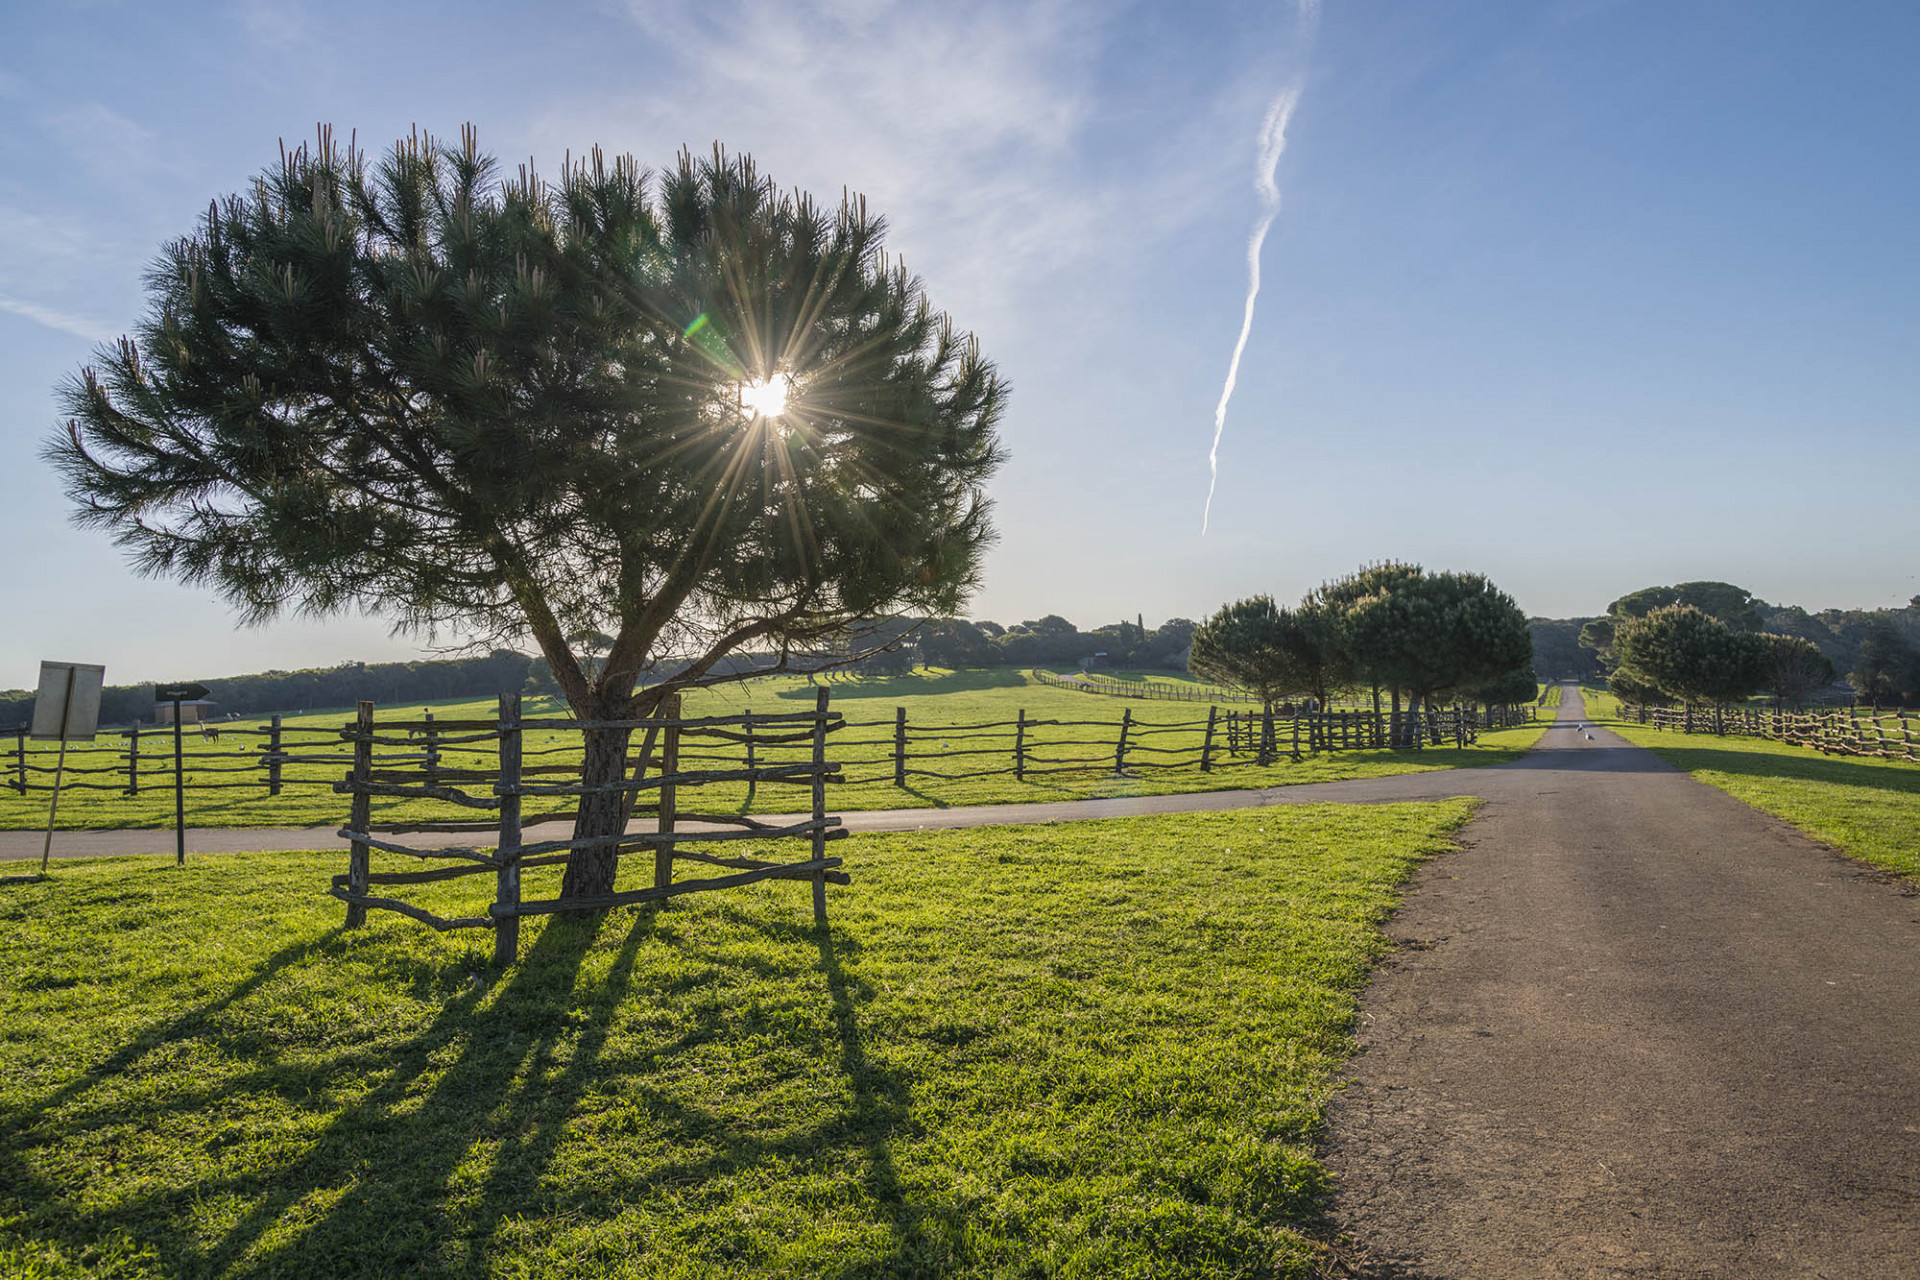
(1585, 296)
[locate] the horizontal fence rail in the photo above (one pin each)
(1091, 683)
(1849, 731)
(453, 764)
(648, 784)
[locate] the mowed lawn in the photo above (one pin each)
(1869, 809)
(1087, 1049)
(944, 712)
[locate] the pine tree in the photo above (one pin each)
(509, 408)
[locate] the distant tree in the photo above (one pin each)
(1512, 689)
(1798, 670)
(1557, 652)
(1887, 668)
(1340, 595)
(513, 408)
(1240, 647)
(1692, 656)
(956, 644)
(1636, 691)
(1438, 633)
(1168, 644)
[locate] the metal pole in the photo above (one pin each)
(59, 767)
(179, 795)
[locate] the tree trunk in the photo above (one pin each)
(590, 871)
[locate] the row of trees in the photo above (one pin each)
(1875, 648)
(1389, 628)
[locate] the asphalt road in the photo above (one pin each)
(1636, 1028)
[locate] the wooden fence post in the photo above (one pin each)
(669, 791)
(1020, 747)
(753, 784)
(133, 761)
(273, 756)
(1206, 743)
(1296, 737)
(362, 813)
(820, 800)
(20, 759)
(433, 746)
(1120, 751)
(899, 746)
(506, 881)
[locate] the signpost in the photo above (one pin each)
(66, 706)
(176, 694)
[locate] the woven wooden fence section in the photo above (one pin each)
(658, 782)
(1850, 731)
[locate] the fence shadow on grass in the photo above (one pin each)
(459, 1133)
(402, 1156)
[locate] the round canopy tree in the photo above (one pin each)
(1690, 655)
(694, 416)
(1436, 633)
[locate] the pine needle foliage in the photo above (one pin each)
(510, 408)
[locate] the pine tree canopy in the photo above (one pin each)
(690, 414)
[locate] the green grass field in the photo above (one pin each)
(935, 703)
(1869, 809)
(1090, 1049)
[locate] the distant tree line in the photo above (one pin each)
(1389, 628)
(1714, 642)
(268, 692)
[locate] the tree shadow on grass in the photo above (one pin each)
(464, 1119)
(1679, 750)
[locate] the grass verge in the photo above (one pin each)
(1091, 1049)
(1868, 809)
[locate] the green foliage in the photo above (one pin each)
(1798, 671)
(1092, 1049)
(1692, 656)
(1734, 606)
(513, 407)
(1433, 634)
(1271, 652)
(1559, 649)
(1887, 668)
(1514, 688)
(1629, 686)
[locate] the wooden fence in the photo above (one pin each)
(1849, 731)
(1090, 683)
(274, 759)
(654, 784)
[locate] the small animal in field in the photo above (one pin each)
(210, 733)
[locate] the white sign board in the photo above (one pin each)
(68, 704)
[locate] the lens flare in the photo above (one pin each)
(767, 399)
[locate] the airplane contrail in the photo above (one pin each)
(1273, 141)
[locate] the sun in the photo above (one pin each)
(766, 399)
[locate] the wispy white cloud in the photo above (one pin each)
(960, 122)
(78, 326)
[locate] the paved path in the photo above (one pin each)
(1636, 1028)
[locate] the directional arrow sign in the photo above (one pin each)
(178, 692)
